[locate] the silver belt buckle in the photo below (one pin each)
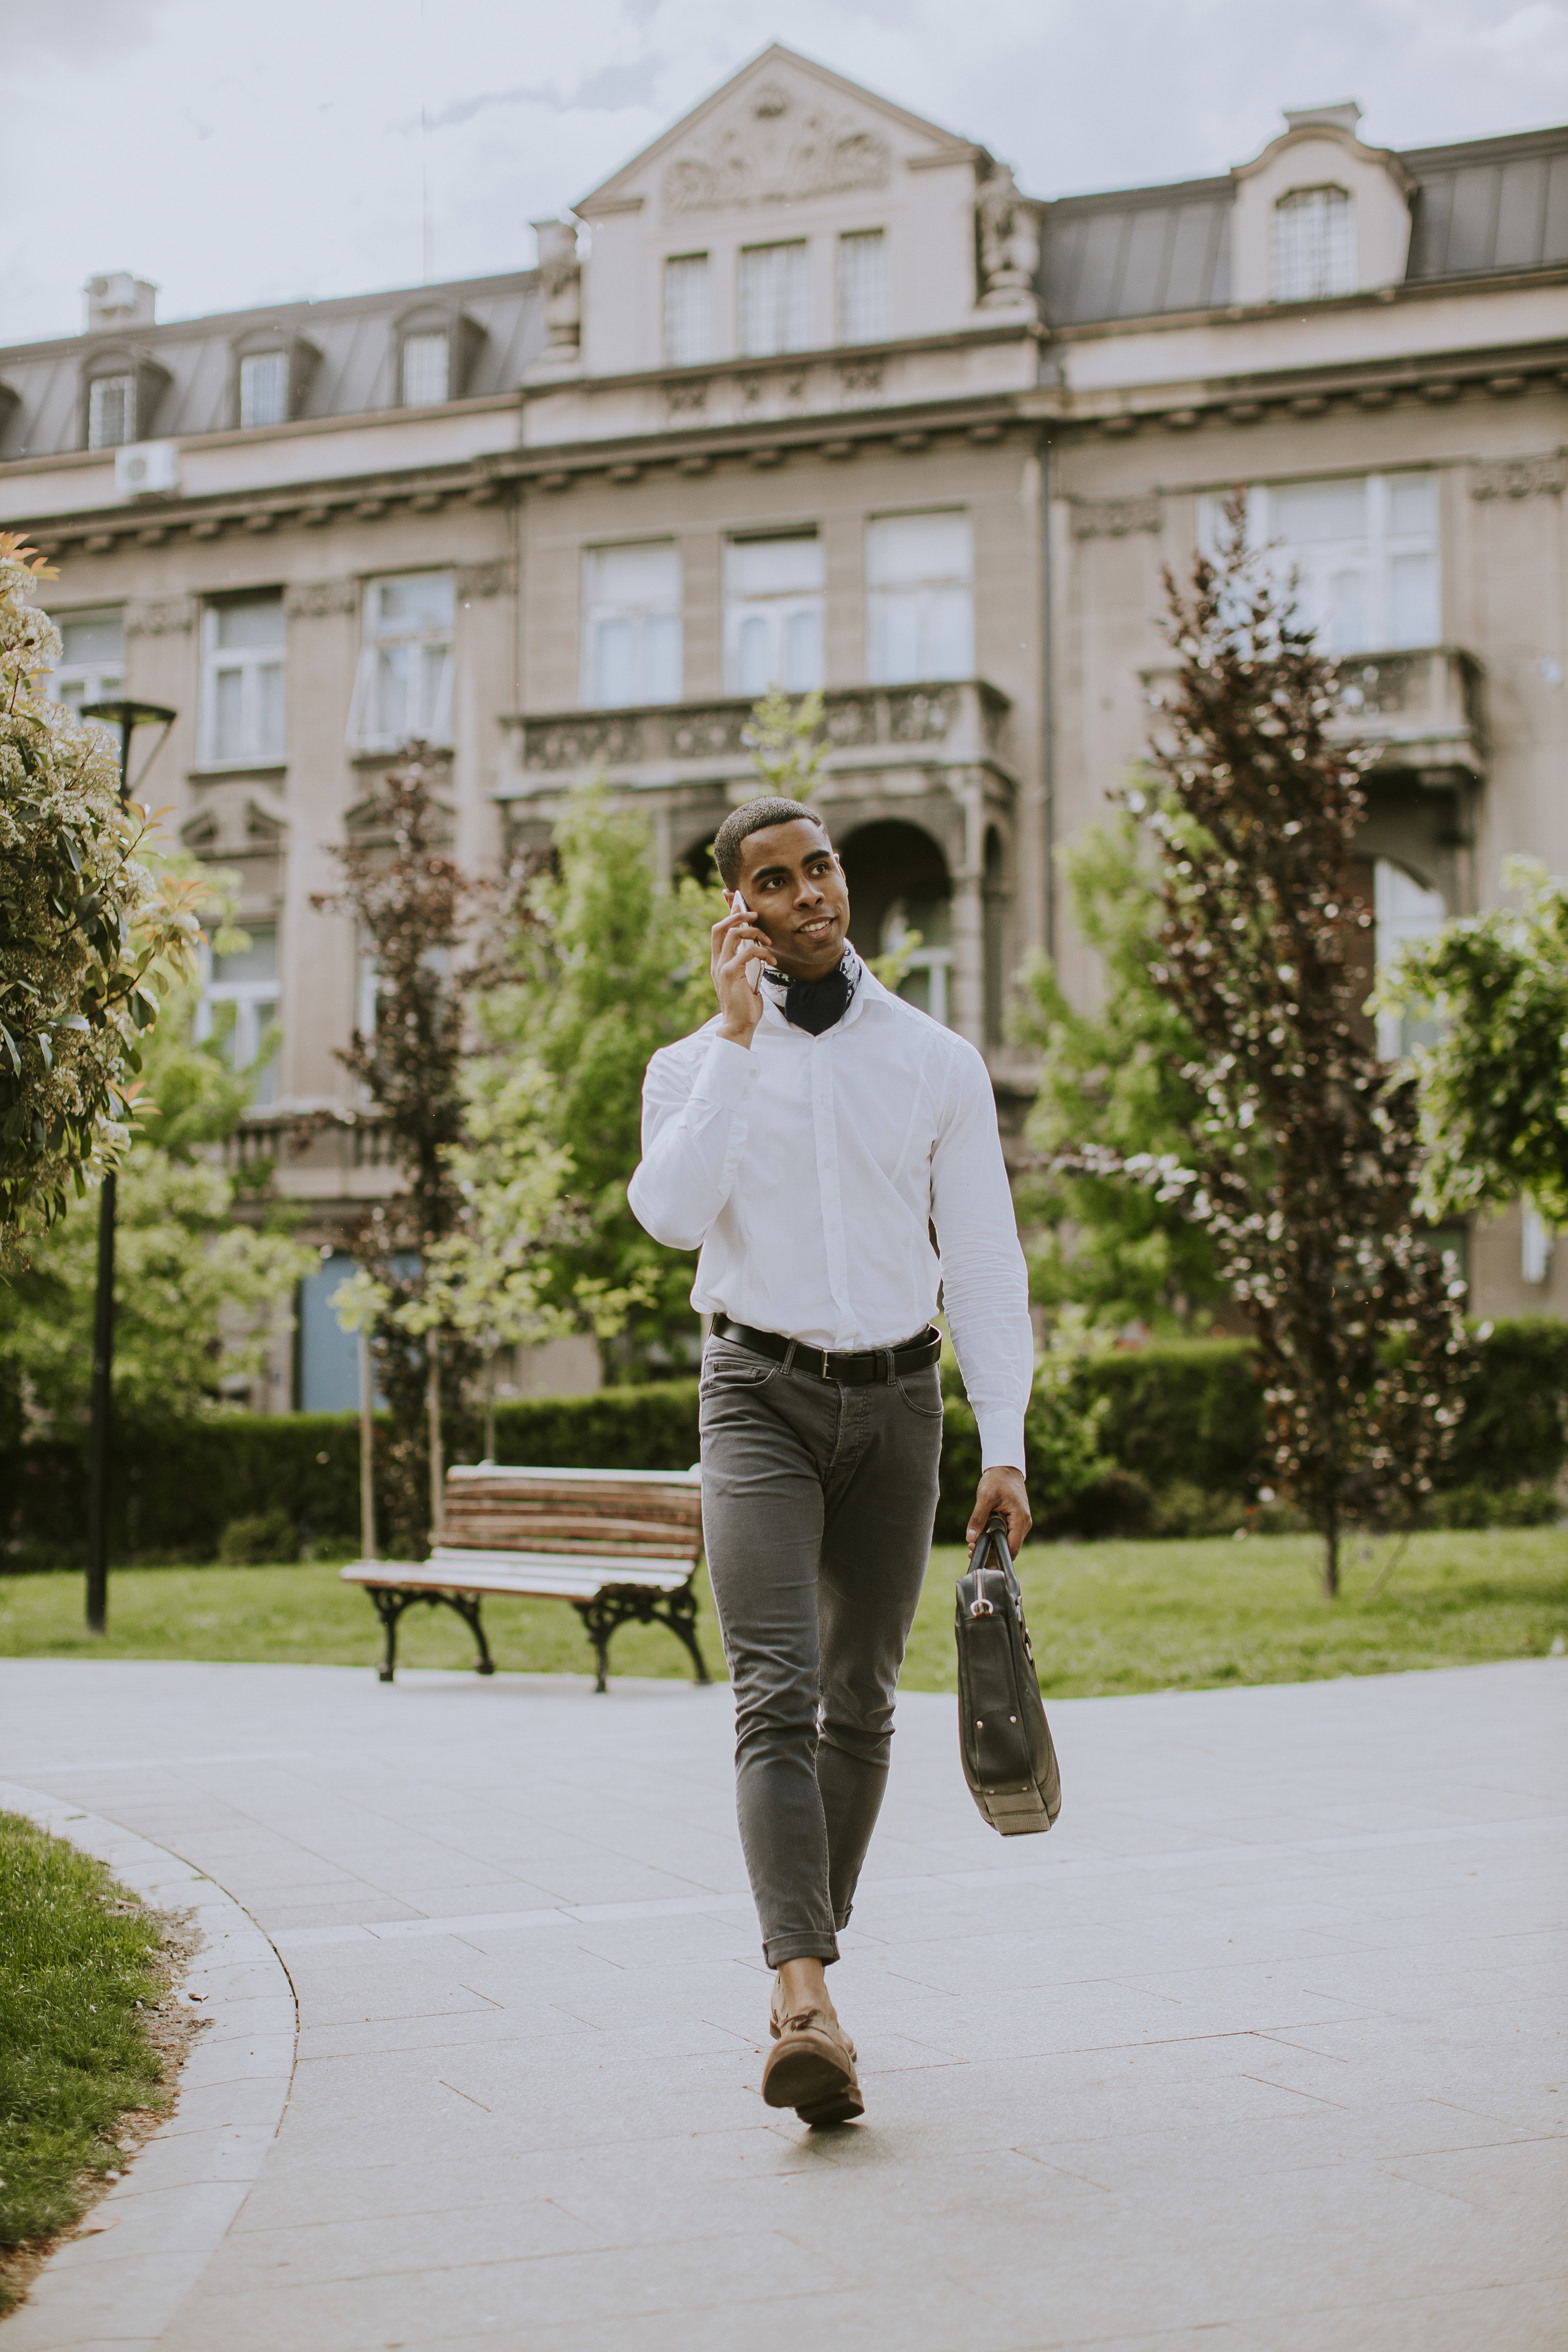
(823, 1371)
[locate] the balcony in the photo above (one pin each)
(1422, 711)
(313, 1153)
(960, 724)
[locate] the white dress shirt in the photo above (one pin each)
(811, 1171)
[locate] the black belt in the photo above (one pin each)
(866, 1364)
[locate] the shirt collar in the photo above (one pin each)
(776, 986)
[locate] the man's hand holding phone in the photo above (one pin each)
(740, 948)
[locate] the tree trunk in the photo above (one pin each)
(1330, 1551)
(490, 1405)
(437, 1473)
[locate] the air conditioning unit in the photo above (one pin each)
(145, 470)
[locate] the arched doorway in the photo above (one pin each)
(900, 890)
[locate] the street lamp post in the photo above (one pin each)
(127, 716)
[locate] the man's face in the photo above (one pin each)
(795, 886)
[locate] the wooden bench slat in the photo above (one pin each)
(540, 1578)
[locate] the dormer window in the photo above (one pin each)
(426, 368)
(688, 335)
(263, 388)
(111, 412)
(863, 287)
(775, 304)
(1314, 245)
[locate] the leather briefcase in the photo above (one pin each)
(1003, 1735)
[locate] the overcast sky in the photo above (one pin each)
(237, 153)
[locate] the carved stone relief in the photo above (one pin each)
(858, 380)
(499, 578)
(707, 734)
(1542, 476)
(774, 148)
(161, 617)
(609, 742)
(921, 718)
(313, 600)
(686, 403)
(1008, 227)
(1115, 518)
(560, 275)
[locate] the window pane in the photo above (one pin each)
(257, 962)
(895, 639)
(753, 664)
(1304, 512)
(93, 638)
(768, 567)
(425, 369)
(950, 634)
(909, 548)
(257, 621)
(863, 287)
(228, 714)
(1314, 245)
(1413, 614)
(661, 658)
(112, 411)
(1411, 503)
(263, 388)
(649, 573)
(431, 680)
(775, 308)
(803, 650)
(612, 662)
(687, 333)
(421, 599)
(392, 694)
(269, 678)
(1347, 620)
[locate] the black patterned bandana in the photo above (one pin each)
(814, 1005)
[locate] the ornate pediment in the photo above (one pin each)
(776, 146)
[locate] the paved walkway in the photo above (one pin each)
(1260, 2051)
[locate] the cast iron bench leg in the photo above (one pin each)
(392, 1600)
(679, 1612)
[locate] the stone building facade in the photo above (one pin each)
(810, 392)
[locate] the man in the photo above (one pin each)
(812, 1139)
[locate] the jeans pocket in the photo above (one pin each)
(921, 1392)
(725, 1366)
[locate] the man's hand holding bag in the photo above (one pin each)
(1004, 1738)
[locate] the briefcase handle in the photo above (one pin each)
(995, 1532)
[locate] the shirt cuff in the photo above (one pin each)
(727, 1076)
(1001, 1441)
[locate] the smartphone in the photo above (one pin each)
(738, 906)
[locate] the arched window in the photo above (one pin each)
(1314, 245)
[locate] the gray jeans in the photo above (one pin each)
(818, 1506)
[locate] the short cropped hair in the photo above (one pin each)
(754, 816)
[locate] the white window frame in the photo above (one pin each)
(97, 391)
(427, 337)
(405, 645)
(256, 1003)
(924, 592)
(97, 680)
(249, 662)
(276, 366)
(1374, 554)
(862, 302)
(1312, 245)
(773, 303)
(688, 311)
(600, 610)
(776, 611)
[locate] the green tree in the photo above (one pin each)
(1304, 1164)
(91, 942)
(785, 740)
(601, 967)
(1114, 1076)
(413, 908)
(1494, 1086)
(198, 1289)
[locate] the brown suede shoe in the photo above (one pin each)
(812, 2066)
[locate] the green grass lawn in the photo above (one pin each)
(1110, 1617)
(79, 1978)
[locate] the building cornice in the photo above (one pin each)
(1242, 314)
(954, 339)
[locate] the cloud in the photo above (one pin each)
(76, 30)
(611, 90)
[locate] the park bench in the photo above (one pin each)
(622, 1546)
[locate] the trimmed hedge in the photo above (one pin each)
(1185, 1414)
